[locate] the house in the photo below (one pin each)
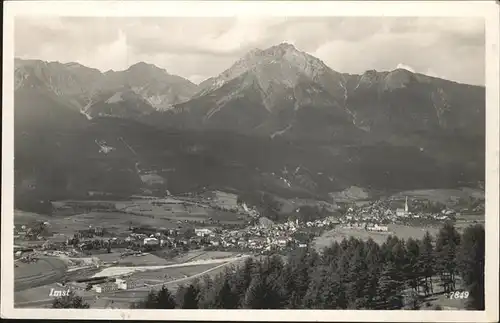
(121, 284)
(104, 288)
(282, 241)
(202, 232)
(379, 228)
(150, 241)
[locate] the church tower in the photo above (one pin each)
(406, 205)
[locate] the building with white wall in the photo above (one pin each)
(202, 232)
(150, 241)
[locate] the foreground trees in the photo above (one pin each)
(470, 264)
(69, 301)
(352, 274)
(447, 243)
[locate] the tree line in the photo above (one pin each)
(352, 274)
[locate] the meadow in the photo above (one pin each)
(401, 231)
(44, 271)
(444, 196)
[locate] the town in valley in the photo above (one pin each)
(237, 164)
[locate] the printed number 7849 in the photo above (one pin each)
(459, 295)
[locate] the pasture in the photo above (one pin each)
(401, 231)
(115, 222)
(169, 274)
(165, 212)
(122, 299)
(144, 259)
(27, 218)
(444, 196)
(194, 255)
(225, 200)
(45, 270)
(36, 293)
(175, 210)
(126, 270)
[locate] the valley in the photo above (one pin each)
(126, 181)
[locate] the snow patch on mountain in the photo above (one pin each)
(84, 110)
(281, 132)
(346, 96)
(117, 97)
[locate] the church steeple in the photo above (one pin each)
(406, 205)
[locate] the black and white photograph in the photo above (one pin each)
(289, 158)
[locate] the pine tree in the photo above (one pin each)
(69, 301)
(222, 296)
(400, 261)
(447, 243)
(255, 295)
(301, 263)
(187, 297)
(374, 266)
(205, 294)
(264, 294)
(357, 279)
(242, 278)
(150, 302)
(165, 299)
(390, 288)
(470, 259)
(413, 270)
(325, 291)
(427, 262)
(179, 294)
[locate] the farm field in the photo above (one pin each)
(30, 294)
(401, 231)
(119, 270)
(225, 200)
(177, 210)
(161, 213)
(166, 274)
(171, 276)
(442, 195)
(193, 255)
(113, 222)
(123, 299)
(44, 271)
(26, 218)
(146, 259)
(203, 255)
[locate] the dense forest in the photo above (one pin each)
(352, 274)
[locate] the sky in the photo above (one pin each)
(199, 48)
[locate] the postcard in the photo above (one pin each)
(251, 160)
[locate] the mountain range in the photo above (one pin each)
(273, 111)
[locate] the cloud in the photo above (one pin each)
(197, 48)
(406, 67)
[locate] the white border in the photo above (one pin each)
(487, 9)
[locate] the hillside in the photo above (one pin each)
(281, 91)
(279, 120)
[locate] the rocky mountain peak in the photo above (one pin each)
(282, 63)
(143, 66)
